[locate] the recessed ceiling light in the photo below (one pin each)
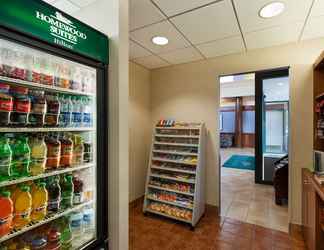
(160, 40)
(272, 9)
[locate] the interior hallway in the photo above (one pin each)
(243, 200)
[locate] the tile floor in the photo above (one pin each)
(243, 200)
(152, 232)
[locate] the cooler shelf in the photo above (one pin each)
(46, 174)
(48, 218)
(43, 86)
(56, 129)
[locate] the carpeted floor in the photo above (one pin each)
(240, 162)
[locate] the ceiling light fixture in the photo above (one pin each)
(272, 9)
(160, 40)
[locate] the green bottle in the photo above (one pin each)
(5, 159)
(20, 156)
(67, 192)
(66, 233)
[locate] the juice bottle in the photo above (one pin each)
(19, 71)
(6, 104)
(53, 238)
(20, 156)
(36, 74)
(66, 233)
(66, 151)
(6, 213)
(46, 71)
(65, 111)
(8, 58)
(40, 198)
(53, 152)
(22, 105)
(65, 75)
(88, 148)
(78, 149)
(53, 110)
(88, 178)
(67, 188)
(78, 190)
(54, 194)
(38, 155)
(22, 207)
(5, 158)
(38, 108)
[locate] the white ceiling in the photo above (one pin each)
(70, 6)
(201, 29)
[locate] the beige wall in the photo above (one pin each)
(139, 128)
(111, 17)
(190, 92)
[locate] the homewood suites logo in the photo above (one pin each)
(62, 29)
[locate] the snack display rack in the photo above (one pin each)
(176, 173)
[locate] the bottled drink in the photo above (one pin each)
(65, 75)
(66, 151)
(54, 194)
(36, 71)
(88, 220)
(76, 221)
(53, 110)
(22, 105)
(8, 59)
(19, 71)
(38, 108)
(5, 158)
(87, 175)
(6, 104)
(22, 207)
(39, 198)
(53, 238)
(28, 62)
(89, 80)
(86, 112)
(88, 152)
(78, 149)
(38, 155)
(46, 71)
(65, 111)
(6, 213)
(78, 190)
(53, 152)
(76, 111)
(76, 82)
(67, 188)
(66, 233)
(20, 156)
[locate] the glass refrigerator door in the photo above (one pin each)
(47, 150)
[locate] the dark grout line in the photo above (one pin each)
(239, 24)
(306, 20)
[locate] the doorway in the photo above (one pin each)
(262, 123)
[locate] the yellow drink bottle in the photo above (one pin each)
(39, 197)
(38, 155)
(22, 207)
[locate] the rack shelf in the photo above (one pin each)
(170, 190)
(174, 152)
(169, 203)
(174, 161)
(174, 170)
(176, 144)
(42, 86)
(44, 175)
(56, 129)
(174, 174)
(48, 218)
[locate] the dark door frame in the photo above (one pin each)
(259, 118)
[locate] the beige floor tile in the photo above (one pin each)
(238, 210)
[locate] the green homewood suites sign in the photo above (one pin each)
(43, 21)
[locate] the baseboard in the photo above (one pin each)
(136, 202)
(295, 229)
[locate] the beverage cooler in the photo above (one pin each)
(53, 130)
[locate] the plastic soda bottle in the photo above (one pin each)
(5, 158)
(66, 151)
(38, 155)
(86, 112)
(78, 190)
(65, 111)
(76, 111)
(40, 198)
(53, 152)
(6, 213)
(67, 191)
(22, 207)
(78, 149)
(20, 156)
(88, 220)
(54, 194)
(66, 233)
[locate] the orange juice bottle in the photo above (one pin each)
(39, 197)
(22, 207)
(5, 213)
